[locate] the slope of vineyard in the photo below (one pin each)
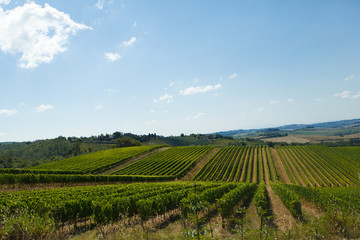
(320, 166)
(238, 164)
(96, 161)
(172, 162)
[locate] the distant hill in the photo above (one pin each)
(291, 127)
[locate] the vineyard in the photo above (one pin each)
(239, 164)
(96, 161)
(173, 162)
(247, 192)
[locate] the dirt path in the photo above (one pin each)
(254, 168)
(282, 216)
(266, 172)
(200, 164)
(132, 160)
(280, 167)
(252, 218)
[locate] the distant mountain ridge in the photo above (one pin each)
(292, 127)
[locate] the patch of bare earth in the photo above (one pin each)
(200, 164)
(133, 160)
(310, 210)
(279, 166)
(282, 216)
(266, 168)
(287, 139)
(254, 162)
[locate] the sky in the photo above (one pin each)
(87, 67)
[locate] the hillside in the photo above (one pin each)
(328, 127)
(94, 162)
(285, 190)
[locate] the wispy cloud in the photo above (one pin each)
(5, 2)
(8, 112)
(43, 108)
(291, 100)
(2, 134)
(134, 24)
(37, 33)
(112, 57)
(356, 95)
(100, 4)
(260, 109)
(344, 94)
(197, 116)
(199, 89)
(349, 78)
(110, 91)
(171, 84)
(318, 99)
(152, 122)
(233, 75)
(98, 107)
(128, 43)
(274, 102)
(168, 98)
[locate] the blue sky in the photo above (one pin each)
(81, 68)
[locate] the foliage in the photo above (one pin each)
(29, 178)
(127, 142)
(97, 161)
(228, 202)
(290, 199)
(262, 200)
(172, 162)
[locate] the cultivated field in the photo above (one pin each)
(252, 192)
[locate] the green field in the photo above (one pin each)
(173, 162)
(96, 161)
(239, 192)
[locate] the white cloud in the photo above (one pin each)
(2, 134)
(318, 99)
(171, 84)
(110, 91)
(43, 108)
(233, 75)
(8, 112)
(197, 116)
(356, 95)
(152, 122)
(5, 2)
(200, 89)
(100, 4)
(349, 78)
(129, 43)
(344, 94)
(168, 98)
(134, 24)
(98, 107)
(260, 109)
(112, 57)
(274, 102)
(37, 33)
(291, 100)
(152, 110)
